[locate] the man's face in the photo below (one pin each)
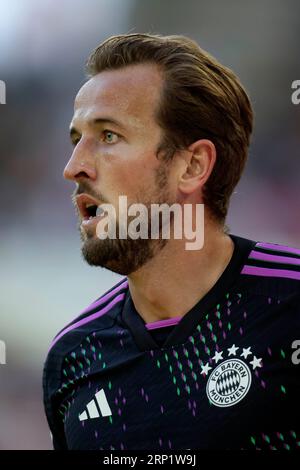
(116, 139)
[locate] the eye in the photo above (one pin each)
(75, 142)
(110, 137)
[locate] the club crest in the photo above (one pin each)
(230, 381)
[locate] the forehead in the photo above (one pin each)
(130, 94)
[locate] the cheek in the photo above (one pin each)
(127, 174)
(140, 176)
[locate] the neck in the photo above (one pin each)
(172, 282)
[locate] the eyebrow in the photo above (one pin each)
(97, 121)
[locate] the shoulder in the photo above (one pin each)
(268, 288)
(100, 314)
(102, 311)
(272, 260)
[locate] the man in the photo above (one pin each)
(193, 348)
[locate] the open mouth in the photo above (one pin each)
(93, 211)
(88, 207)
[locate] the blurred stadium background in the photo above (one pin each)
(43, 47)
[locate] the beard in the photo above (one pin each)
(125, 256)
(121, 256)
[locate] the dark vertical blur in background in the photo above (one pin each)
(43, 47)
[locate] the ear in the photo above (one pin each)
(200, 158)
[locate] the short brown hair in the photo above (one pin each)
(201, 99)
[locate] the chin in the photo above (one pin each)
(120, 256)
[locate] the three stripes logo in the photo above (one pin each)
(97, 407)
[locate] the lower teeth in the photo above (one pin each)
(99, 211)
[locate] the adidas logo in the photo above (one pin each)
(97, 407)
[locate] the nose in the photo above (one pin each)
(81, 163)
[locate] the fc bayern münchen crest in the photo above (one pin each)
(230, 381)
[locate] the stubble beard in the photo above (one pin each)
(125, 256)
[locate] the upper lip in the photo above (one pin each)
(83, 200)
